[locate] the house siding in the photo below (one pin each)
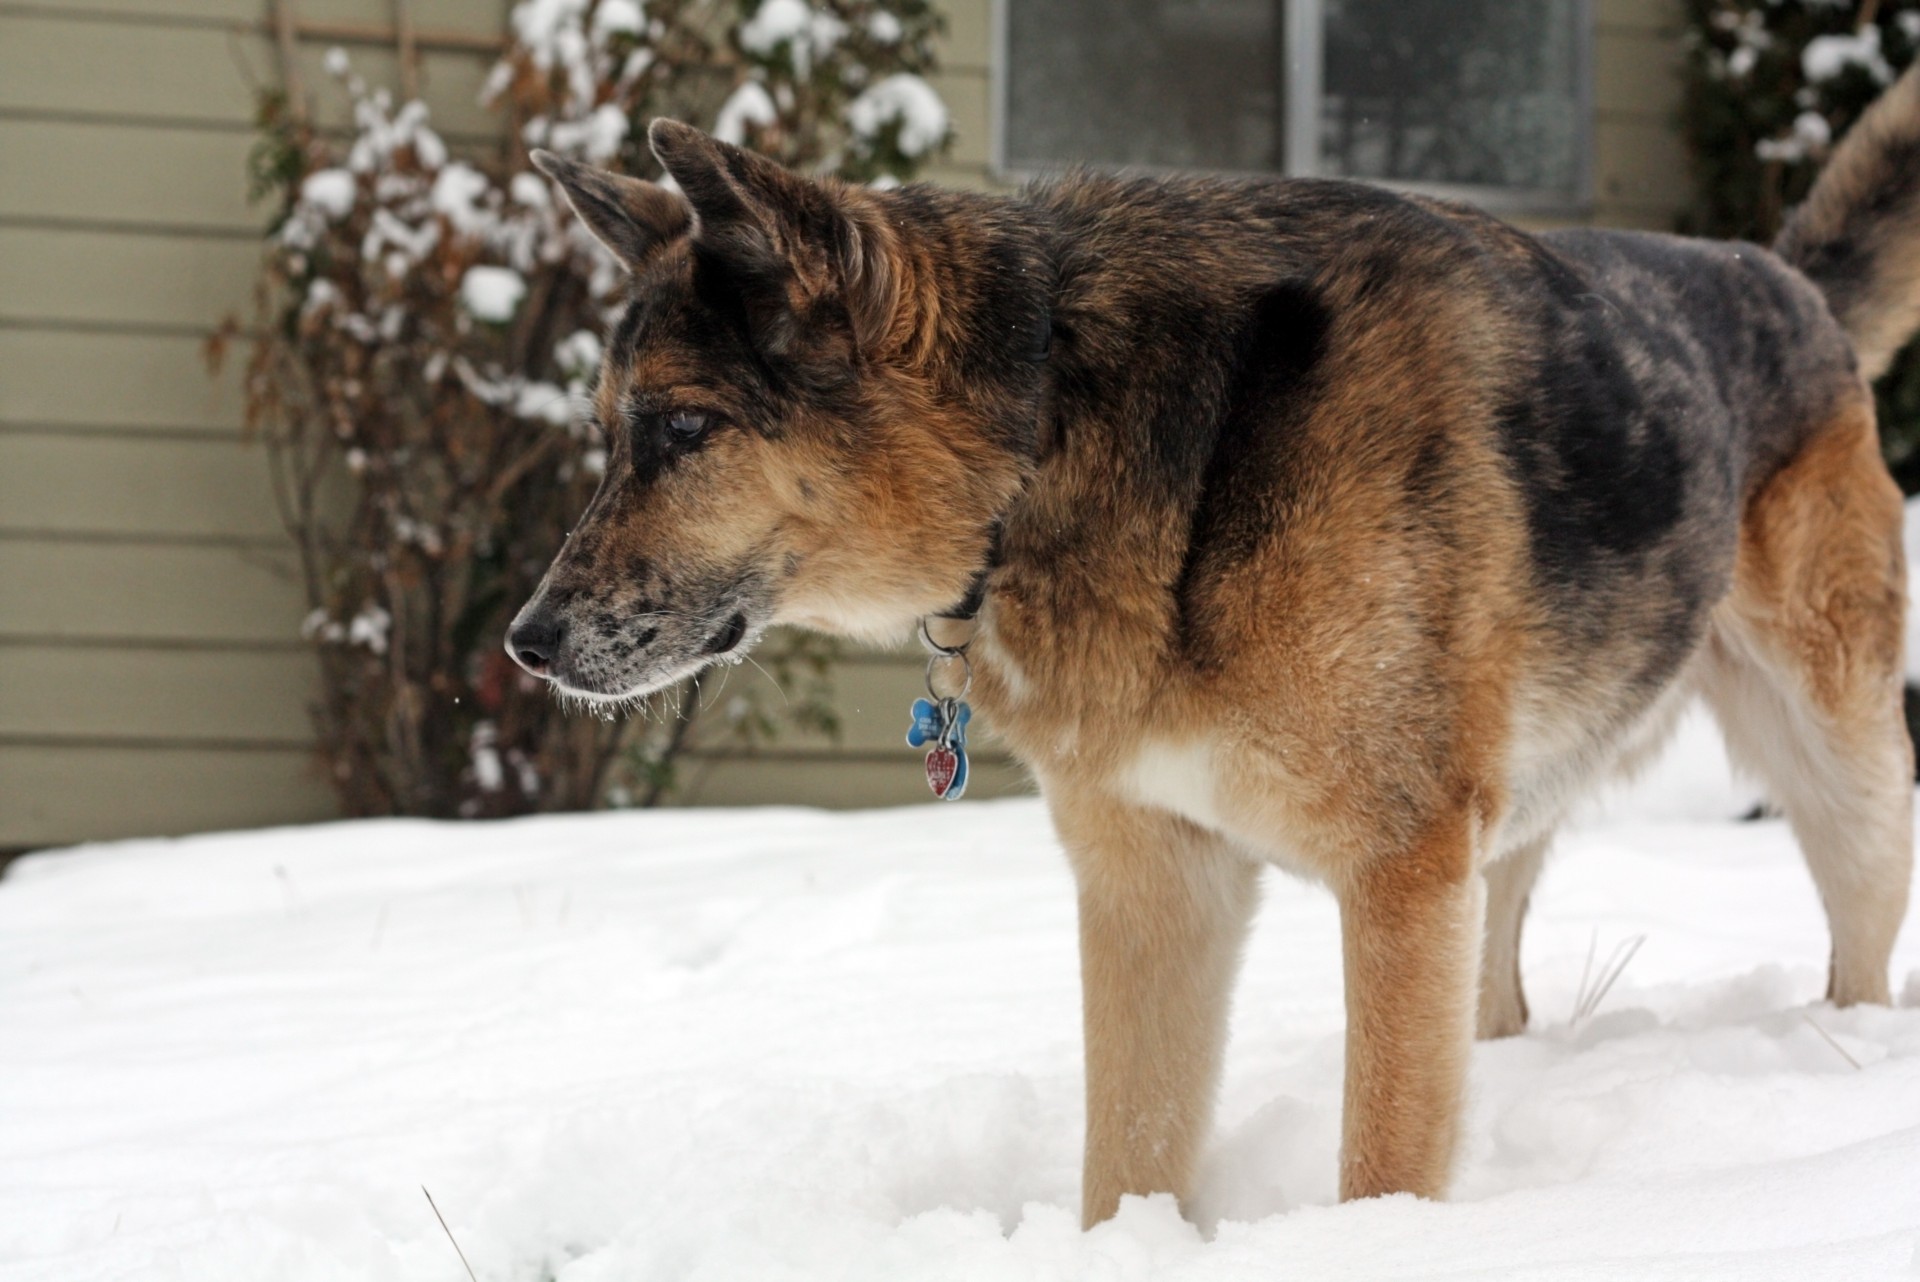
(149, 610)
(149, 607)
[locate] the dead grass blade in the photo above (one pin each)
(1587, 1002)
(449, 1232)
(1827, 1037)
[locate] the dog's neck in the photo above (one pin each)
(988, 262)
(1116, 445)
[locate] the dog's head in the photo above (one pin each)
(792, 438)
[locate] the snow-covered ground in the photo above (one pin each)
(780, 1044)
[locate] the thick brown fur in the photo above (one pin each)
(1291, 523)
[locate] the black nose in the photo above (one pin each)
(533, 641)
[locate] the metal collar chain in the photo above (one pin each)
(941, 720)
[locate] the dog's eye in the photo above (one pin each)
(686, 425)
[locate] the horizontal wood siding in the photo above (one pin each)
(68, 788)
(112, 381)
(1640, 167)
(165, 591)
(966, 84)
(140, 694)
(149, 601)
(135, 487)
(202, 74)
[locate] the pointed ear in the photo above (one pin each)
(630, 217)
(786, 242)
(725, 184)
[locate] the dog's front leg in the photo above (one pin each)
(1410, 931)
(1164, 909)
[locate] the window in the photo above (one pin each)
(1487, 99)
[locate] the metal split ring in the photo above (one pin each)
(966, 671)
(936, 649)
(936, 653)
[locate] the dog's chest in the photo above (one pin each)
(1191, 770)
(1180, 777)
(1146, 744)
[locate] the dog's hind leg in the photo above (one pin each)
(1503, 998)
(1164, 908)
(1803, 671)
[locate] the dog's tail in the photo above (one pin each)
(1857, 235)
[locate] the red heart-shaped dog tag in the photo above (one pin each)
(942, 764)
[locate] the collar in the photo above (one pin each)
(967, 608)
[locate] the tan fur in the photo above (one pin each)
(1804, 671)
(1503, 1001)
(1164, 908)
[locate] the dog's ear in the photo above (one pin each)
(630, 217)
(787, 244)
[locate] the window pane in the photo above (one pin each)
(1190, 84)
(1453, 91)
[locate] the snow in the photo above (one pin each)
(805, 32)
(578, 353)
(322, 294)
(774, 23)
(369, 628)
(457, 193)
(785, 1044)
(411, 243)
(596, 136)
(492, 293)
(544, 402)
(1811, 134)
(1827, 57)
(331, 191)
(618, 17)
(749, 105)
(908, 99)
(380, 131)
(487, 771)
(530, 190)
(538, 24)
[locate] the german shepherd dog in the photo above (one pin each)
(1288, 522)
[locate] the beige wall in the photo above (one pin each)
(151, 679)
(150, 675)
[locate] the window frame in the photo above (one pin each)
(1305, 29)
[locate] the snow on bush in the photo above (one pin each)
(774, 23)
(492, 293)
(330, 191)
(428, 331)
(1828, 57)
(749, 107)
(908, 105)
